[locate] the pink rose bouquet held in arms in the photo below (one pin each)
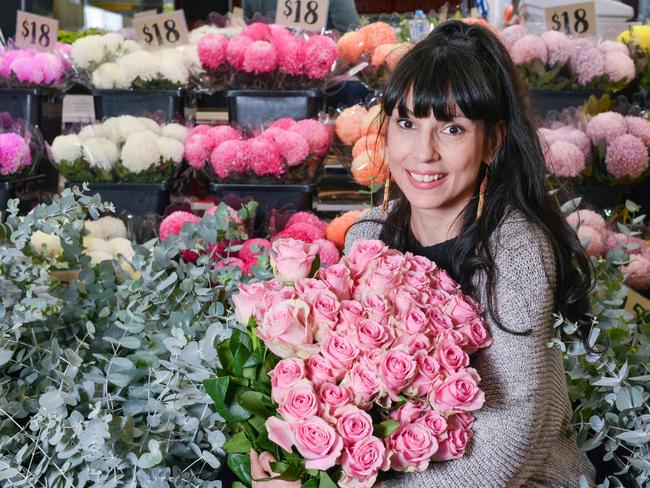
(336, 374)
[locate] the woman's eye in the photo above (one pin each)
(405, 123)
(453, 130)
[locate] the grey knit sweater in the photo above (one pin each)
(522, 435)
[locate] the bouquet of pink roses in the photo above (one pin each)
(348, 370)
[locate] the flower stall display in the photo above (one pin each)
(25, 68)
(339, 364)
(288, 151)
(121, 149)
(555, 62)
(268, 56)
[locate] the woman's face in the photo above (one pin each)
(434, 162)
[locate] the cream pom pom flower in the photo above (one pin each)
(109, 129)
(127, 125)
(120, 246)
(88, 50)
(99, 256)
(172, 67)
(171, 149)
(66, 148)
(150, 125)
(141, 152)
(47, 245)
(105, 227)
(139, 64)
(130, 46)
(191, 58)
(107, 76)
(113, 43)
(175, 131)
(90, 131)
(100, 153)
(92, 244)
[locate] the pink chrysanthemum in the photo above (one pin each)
(257, 31)
(377, 33)
(527, 49)
(279, 32)
(174, 222)
(558, 46)
(293, 147)
(619, 67)
(613, 47)
(302, 232)
(265, 157)
(320, 55)
(9, 58)
(587, 218)
(27, 71)
(222, 133)
(512, 34)
(595, 246)
(638, 272)
(626, 156)
(291, 55)
(327, 252)
(639, 127)
(587, 63)
(213, 49)
(197, 150)
(348, 124)
(199, 129)
(14, 153)
(617, 240)
(284, 123)
(236, 50)
(574, 136)
(251, 250)
(606, 127)
(351, 46)
(51, 66)
(260, 57)
(230, 156)
(307, 218)
(565, 160)
(316, 134)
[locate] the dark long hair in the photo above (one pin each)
(467, 65)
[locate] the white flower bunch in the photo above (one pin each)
(91, 51)
(135, 143)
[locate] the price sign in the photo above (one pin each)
(78, 109)
(164, 30)
(36, 32)
(302, 14)
(577, 19)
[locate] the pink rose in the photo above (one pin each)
(274, 295)
(284, 376)
(292, 259)
(378, 279)
(463, 310)
(362, 461)
(419, 264)
(363, 381)
(371, 335)
(411, 447)
(261, 468)
(248, 298)
(377, 308)
(435, 423)
(337, 278)
(454, 336)
(414, 343)
(308, 287)
(459, 392)
(325, 312)
(317, 442)
(363, 253)
(414, 321)
(477, 335)
(319, 371)
(353, 425)
(453, 446)
(299, 403)
(286, 331)
(438, 320)
(451, 357)
(428, 373)
(350, 314)
(438, 298)
(441, 279)
(397, 369)
(339, 351)
(332, 398)
(409, 412)
(405, 298)
(462, 420)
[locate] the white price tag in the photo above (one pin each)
(36, 32)
(164, 30)
(78, 109)
(309, 15)
(576, 19)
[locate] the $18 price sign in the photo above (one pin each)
(576, 19)
(36, 32)
(309, 15)
(164, 30)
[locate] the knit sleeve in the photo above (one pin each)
(366, 227)
(523, 380)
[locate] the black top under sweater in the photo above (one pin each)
(440, 253)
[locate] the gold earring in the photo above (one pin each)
(481, 195)
(384, 205)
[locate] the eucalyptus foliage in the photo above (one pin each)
(101, 378)
(609, 385)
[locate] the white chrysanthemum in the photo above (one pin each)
(171, 66)
(150, 125)
(127, 125)
(87, 50)
(92, 244)
(171, 149)
(100, 153)
(97, 257)
(109, 129)
(113, 43)
(106, 227)
(108, 76)
(130, 46)
(120, 245)
(175, 131)
(191, 58)
(66, 148)
(47, 245)
(140, 152)
(139, 64)
(90, 131)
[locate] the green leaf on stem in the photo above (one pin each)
(240, 464)
(238, 443)
(386, 428)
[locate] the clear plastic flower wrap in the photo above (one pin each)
(26, 68)
(121, 149)
(286, 151)
(21, 147)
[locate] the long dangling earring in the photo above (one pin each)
(481, 194)
(384, 205)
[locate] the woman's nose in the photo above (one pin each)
(425, 150)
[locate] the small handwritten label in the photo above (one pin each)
(78, 109)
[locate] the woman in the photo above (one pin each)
(463, 152)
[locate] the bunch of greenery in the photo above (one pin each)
(101, 377)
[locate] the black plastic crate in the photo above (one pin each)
(39, 107)
(251, 107)
(113, 103)
(132, 198)
(29, 187)
(270, 197)
(544, 101)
